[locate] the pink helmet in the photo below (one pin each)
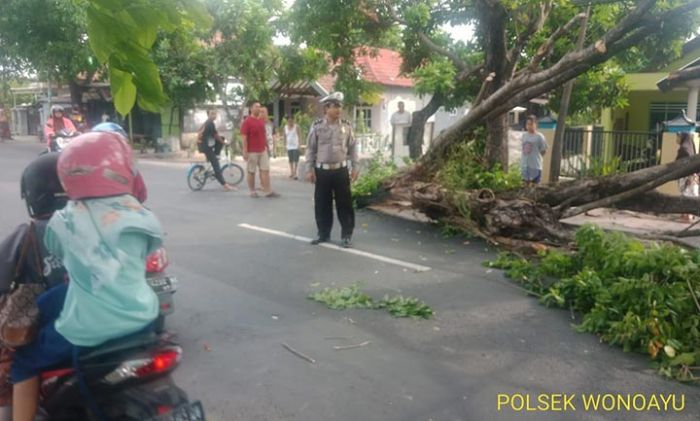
(97, 164)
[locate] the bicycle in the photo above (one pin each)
(199, 174)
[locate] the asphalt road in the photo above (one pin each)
(243, 293)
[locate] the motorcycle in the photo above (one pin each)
(163, 285)
(124, 379)
(60, 140)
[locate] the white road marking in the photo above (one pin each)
(408, 265)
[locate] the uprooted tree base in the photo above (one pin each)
(530, 217)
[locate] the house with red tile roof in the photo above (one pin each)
(383, 69)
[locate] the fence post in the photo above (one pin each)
(587, 147)
(547, 158)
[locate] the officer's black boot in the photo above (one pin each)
(319, 239)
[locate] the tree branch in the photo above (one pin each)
(459, 63)
(534, 26)
(659, 203)
(470, 72)
(682, 168)
(679, 76)
(546, 48)
(482, 91)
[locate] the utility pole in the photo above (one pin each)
(564, 108)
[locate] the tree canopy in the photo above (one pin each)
(513, 40)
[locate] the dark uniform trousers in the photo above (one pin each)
(329, 184)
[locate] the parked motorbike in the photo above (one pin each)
(124, 379)
(163, 285)
(60, 140)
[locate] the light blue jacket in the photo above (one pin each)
(103, 244)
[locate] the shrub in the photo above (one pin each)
(371, 179)
(464, 170)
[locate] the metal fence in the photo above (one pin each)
(371, 143)
(589, 153)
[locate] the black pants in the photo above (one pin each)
(330, 184)
(213, 158)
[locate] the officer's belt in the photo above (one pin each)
(332, 166)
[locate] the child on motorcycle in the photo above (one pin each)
(102, 236)
(139, 190)
(43, 195)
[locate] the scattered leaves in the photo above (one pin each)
(351, 297)
(400, 306)
(343, 298)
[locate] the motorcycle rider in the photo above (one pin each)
(57, 122)
(43, 195)
(139, 191)
(102, 237)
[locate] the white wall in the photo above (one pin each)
(444, 118)
(390, 104)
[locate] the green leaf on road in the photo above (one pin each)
(351, 297)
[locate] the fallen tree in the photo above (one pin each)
(521, 218)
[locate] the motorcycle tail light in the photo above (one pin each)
(165, 360)
(157, 261)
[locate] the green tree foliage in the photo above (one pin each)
(122, 33)
(641, 297)
(184, 69)
(241, 40)
(63, 38)
(45, 36)
(513, 40)
(344, 30)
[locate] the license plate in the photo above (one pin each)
(187, 412)
(165, 284)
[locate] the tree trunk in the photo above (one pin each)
(76, 93)
(494, 18)
(417, 129)
(555, 168)
(497, 141)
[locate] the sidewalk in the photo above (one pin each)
(633, 223)
(278, 166)
(608, 219)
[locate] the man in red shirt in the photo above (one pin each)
(255, 151)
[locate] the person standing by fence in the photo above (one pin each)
(534, 146)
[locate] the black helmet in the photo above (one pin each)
(41, 188)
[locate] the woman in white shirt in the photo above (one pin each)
(292, 136)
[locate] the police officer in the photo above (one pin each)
(330, 146)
